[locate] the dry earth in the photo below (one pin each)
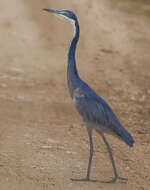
(43, 141)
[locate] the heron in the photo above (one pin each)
(95, 112)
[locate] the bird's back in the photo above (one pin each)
(97, 112)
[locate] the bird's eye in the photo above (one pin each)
(66, 13)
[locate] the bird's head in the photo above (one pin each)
(63, 13)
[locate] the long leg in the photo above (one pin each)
(112, 161)
(87, 178)
(91, 153)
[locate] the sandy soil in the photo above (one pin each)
(43, 141)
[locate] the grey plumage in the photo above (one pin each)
(95, 112)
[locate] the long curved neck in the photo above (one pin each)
(72, 73)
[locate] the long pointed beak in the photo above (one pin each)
(52, 11)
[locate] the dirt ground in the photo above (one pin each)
(43, 141)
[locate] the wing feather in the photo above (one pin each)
(94, 109)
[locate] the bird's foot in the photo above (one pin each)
(113, 180)
(84, 179)
(123, 179)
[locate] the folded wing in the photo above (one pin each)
(95, 110)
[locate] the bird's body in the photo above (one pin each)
(95, 112)
(98, 114)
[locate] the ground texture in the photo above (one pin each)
(43, 141)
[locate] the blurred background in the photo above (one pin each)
(43, 141)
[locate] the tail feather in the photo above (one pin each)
(126, 137)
